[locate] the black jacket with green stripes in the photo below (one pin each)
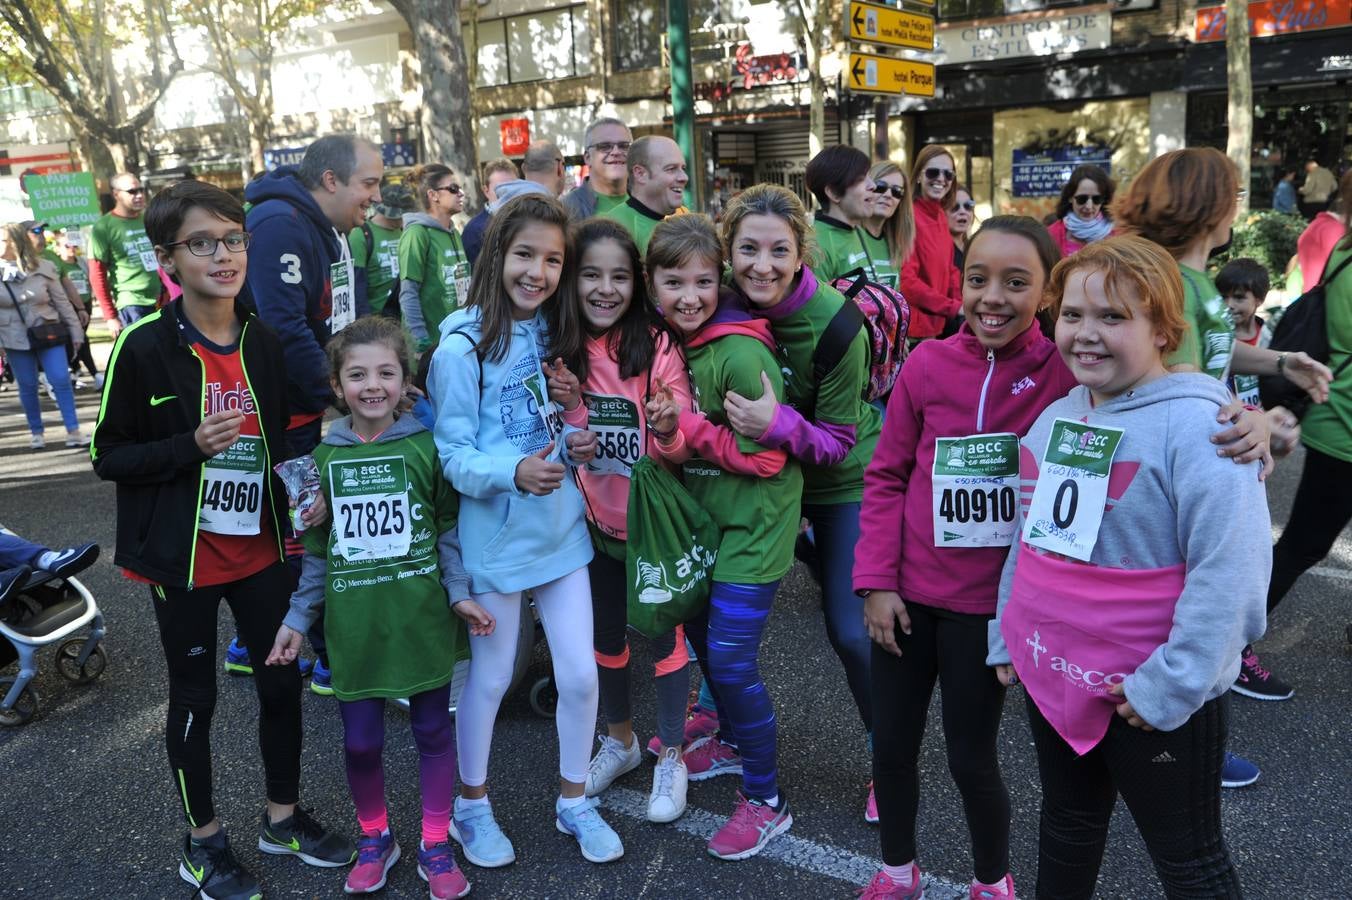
(153, 397)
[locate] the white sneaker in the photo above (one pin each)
(610, 762)
(46, 386)
(77, 438)
(36, 442)
(667, 801)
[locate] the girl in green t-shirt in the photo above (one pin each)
(754, 501)
(433, 268)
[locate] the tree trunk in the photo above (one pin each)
(817, 38)
(1239, 75)
(443, 73)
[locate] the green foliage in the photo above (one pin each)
(1267, 236)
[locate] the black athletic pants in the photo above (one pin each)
(1171, 783)
(951, 648)
(187, 621)
(1321, 510)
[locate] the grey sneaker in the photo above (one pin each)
(210, 866)
(302, 836)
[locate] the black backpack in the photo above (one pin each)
(1303, 328)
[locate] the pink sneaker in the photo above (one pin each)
(884, 888)
(699, 722)
(437, 867)
(981, 891)
(752, 825)
(871, 806)
(709, 757)
(376, 853)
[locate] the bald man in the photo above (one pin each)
(123, 272)
(657, 179)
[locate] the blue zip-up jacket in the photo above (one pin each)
(289, 284)
(487, 421)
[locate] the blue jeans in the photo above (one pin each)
(835, 529)
(53, 361)
(15, 552)
(727, 638)
(130, 315)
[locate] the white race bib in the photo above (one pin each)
(1072, 488)
(232, 489)
(371, 514)
(975, 484)
(615, 422)
(142, 249)
(538, 388)
(344, 306)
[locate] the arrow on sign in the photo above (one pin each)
(858, 20)
(858, 70)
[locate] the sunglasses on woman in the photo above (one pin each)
(1086, 199)
(882, 187)
(934, 174)
(968, 205)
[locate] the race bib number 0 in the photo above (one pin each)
(976, 481)
(232, 489)
(371, 515)
(615, 422)
(343, 312)
(1072, 488)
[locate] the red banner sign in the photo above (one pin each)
(1273, 17)
(515, 136)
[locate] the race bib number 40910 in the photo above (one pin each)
(1072, 488)
(975, 483)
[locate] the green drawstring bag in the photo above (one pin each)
(670, 553)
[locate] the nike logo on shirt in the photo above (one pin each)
(156, 401)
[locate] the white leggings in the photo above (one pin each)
(566, 611)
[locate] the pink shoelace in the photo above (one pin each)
(1251, 661)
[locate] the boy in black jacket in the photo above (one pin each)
(193, 412)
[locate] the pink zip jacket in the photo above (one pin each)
(950, 388)
(607, 493)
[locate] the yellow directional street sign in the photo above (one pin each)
(871, 74)
(888, 25)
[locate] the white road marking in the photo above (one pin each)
(800, 853)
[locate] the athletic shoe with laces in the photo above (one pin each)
(36, 442)
(871, 806)
(376, 854)
(1257, 682)
(666, 803)
(210, 866)
(478, 834)
(598, 841)
(884, 888)
(237, 660)
(67, 562)
(753, 824)
(321, 679)
(709, 757)
(979, 891)
(437, 867)
(610, 762)
(699, 723)
(300, 835)
(1238, 772)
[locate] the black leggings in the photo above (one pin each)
(1171, 783)
(950, 647)
(187, 621)
(1321, 510)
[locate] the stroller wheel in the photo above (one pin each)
(544, 697)
(68, 655)
(23, 710)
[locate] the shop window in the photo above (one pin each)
(640, 28)
(984, 9)
(22, 100)
(537, 47)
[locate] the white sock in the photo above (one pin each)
(570, 802)
(773, 802)
(476, 801)
(900, 874)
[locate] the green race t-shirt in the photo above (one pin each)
(77, 275)
(387, 619)
(382, 269)
(837, 400)
(125, 251)
(1209, 341)
(605, 203)
(758, 516)
(840, 249)
(436, 260)
(636, 218)
(879, 263)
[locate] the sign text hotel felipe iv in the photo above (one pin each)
(888, 26)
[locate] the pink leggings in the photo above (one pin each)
(364, 740)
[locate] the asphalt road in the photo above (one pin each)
(88, 809)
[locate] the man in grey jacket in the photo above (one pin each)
(606, 153)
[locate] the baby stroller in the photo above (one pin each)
(46, 610)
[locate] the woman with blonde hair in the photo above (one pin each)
(930, 281)
(889, 233)
(33, 302)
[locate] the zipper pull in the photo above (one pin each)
(990, 355)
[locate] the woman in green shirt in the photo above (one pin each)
(889, 233)
(433, 267)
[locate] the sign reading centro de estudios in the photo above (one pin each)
(1030, 34)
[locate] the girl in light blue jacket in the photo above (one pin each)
(504, 445)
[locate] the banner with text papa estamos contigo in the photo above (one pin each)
(63, 199)
(1268, 18)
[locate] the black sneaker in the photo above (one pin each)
(65, 563)
(302, 836)
(1257, 682)
(211, 867)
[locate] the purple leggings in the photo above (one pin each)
(364, 740)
